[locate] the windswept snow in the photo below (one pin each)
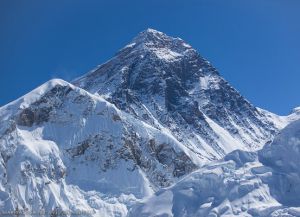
(166, 54)
(62, 144)
(243, 184)
(283, 156)
(155, 131)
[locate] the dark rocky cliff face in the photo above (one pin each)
(64, 148)
(165, 82)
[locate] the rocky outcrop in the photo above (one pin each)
(163, 81)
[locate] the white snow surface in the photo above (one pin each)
(43, 168)
(239, 185)
(65, 149)
(110, 150)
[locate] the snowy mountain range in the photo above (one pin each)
(154, 131)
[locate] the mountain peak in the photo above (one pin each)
(152, 31)
(154, 113)
(164, 47)
(152, 38)
(296, 110)
(149, 35)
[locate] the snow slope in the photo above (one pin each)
(141, 133)
(244, 184)
(283, 156)
(64, 148)
(164, 82)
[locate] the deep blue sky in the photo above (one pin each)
(255, 44)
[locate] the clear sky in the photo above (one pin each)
(255, 44)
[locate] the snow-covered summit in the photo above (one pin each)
(34, 95)
(160, 45)
(145, 120)
(150, 35)
(153, 37)
(62, 140)
(296, 110)
(38, 92)
(166, 83)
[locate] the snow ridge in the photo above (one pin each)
(155, 131)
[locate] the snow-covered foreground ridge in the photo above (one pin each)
(155, 131)
(242, 184)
